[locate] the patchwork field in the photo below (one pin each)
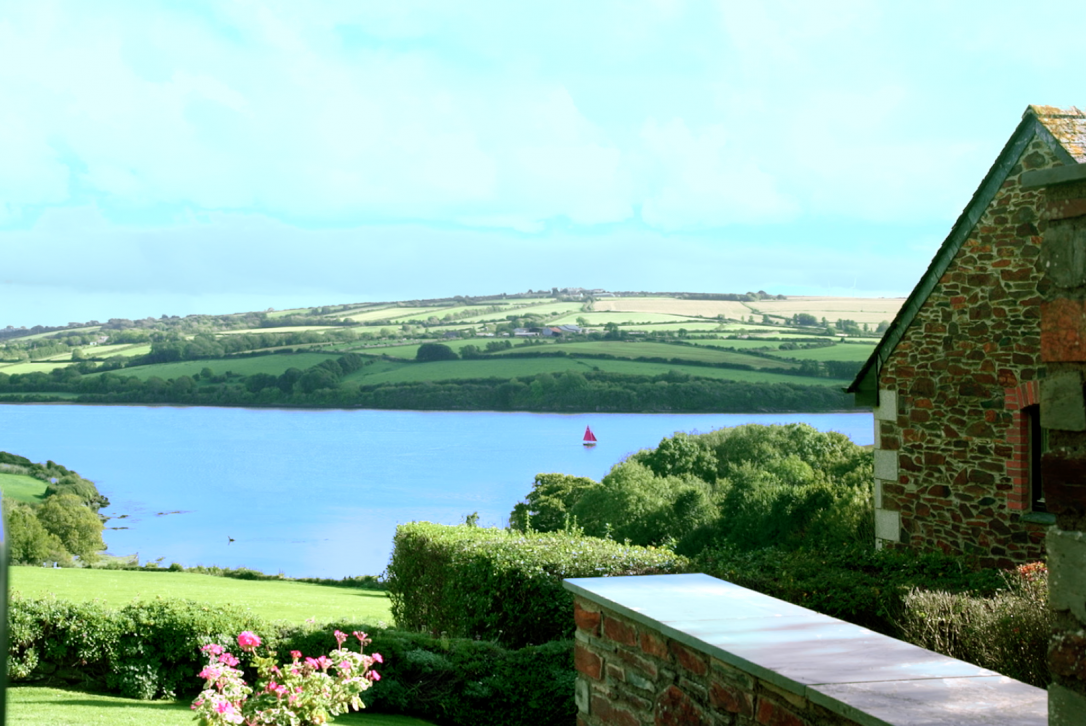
(862, 310)
(693, 308)
(638, 349)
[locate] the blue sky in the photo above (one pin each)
(177, 157)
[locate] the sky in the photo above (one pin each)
(173, 157)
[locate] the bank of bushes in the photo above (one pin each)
(151, 650)
(499, 585)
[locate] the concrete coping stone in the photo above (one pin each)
(870, 678)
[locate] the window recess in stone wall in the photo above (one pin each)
(1028, 442)
(1038, 445)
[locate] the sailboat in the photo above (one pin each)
(589, 437)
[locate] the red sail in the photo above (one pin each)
(588, 435)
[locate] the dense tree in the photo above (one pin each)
(546, 508)
(28, 542)
(435, 351)
(78, 528)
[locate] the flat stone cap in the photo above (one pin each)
(862, 675)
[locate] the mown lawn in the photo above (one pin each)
(294, 602)
(22, 488)
(35, 706)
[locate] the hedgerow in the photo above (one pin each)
(499, 585)
(151, 650)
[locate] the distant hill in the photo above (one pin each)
(367, 354)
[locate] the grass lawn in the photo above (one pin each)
(22, 488)
(295, 602)
(34, 706)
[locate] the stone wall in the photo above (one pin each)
(691, 649)
(1063, 413)
(635, 676)
(950, 433)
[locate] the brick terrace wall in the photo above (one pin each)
(951, 460)
(692, 649)
(631, 675)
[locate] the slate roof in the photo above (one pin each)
(1064, 130)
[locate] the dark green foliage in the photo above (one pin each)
(855, 583)
(633, 504)
(151, 650)
(435, 351)
(143, 650)
(1007, 632)
(547, 506)
(499, 585)
(28, 542)
(459, 680)
(750, 486)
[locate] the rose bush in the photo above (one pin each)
(305, 692)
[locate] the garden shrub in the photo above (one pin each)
(151, 650)
(1007, 632)
(858, 584)
(499, 585)
(142, 650)
(459, 680)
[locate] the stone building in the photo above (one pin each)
(954, 382)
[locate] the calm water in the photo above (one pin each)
(319, 493)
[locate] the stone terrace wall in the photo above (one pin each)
(690, 649)
(951, 457)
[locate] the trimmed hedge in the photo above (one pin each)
(493, 584)
(151, 650)
(144, 650)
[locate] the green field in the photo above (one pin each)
(284, 329)
(36, 706)
(35, 367)
(273, 364)
(386, 372)
(647, 349)
(843, 352)
(386, 313)
(449, 370)
(22, 488)
(294, 602)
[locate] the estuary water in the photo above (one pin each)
(318, 493)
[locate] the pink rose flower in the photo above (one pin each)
(228, 659)
(340, 637)
(295, 654)
(377, 657)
